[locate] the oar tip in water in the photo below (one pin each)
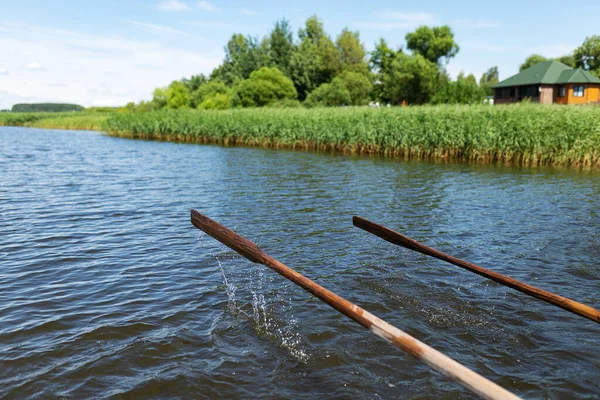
(395, 336)
(411, 244)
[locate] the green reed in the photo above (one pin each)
(66, 120)
(530, 134)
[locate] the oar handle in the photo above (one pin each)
(404, 241)
(438, 361)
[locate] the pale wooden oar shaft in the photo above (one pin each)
(404, 241)
(438, 361)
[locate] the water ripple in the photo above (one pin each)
(107, 291)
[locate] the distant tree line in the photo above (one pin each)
(586, 56)
(313, 69)
(46, 107)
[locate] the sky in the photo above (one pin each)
(107, 53)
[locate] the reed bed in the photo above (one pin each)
(67, 120)
(523, 134)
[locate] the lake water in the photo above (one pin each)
(108, 291)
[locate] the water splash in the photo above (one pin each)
(230, 288)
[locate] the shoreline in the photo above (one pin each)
(523, 135)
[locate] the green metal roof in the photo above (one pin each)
(547, 72)
(550, 73)
(577, 76)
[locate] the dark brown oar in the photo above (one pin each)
(438, 361)
(404, 241)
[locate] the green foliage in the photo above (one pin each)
(56, 120)
(413, 79)
(532, 60)
(101, 109)
(520, 134)
(462, 91)
(358, 85)
(243, 55)
(46, 107)
(281, 47)
(194, 82)
(352, 52)
(568, 60)
(178, 95)
(317, 60)
(159, 98)
(587, 55)
(216, 101)
(489, 78)
(436, 44)
(209, 90)
(265, 86)
(329, 95)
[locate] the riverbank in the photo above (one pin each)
(67, 120)
(523, 134)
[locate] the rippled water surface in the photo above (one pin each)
(107, 290)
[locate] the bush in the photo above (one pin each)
(216, 101)
(329, 95)
(178, 95)
(265, 86)
(358, 85)
(209, 90)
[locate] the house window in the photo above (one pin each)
(578, 91)
(562, 91)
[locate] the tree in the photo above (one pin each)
(243, 54)
(178, 96)
(532, 60)
(434, 44)
(462, 91)
(358, 85)
(317, 60)
(568, 60)
(411, 78)
(207, 90)
(329, 95)
(352, 52)
(587, 55)
(265, 86)
(281, 46)
(488, 79)
(380, 64)
(194, 82)
(159, 98)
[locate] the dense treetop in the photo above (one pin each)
(313, 68)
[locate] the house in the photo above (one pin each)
(549, 82)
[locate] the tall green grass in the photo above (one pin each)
(66, 120)
(530, 134)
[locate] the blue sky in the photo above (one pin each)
(110, 52)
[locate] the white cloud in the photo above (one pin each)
(162, 29)
(172, 5)
(206, 6)
(398, 20)
(3, 71)
(101, 70)
(247, 12)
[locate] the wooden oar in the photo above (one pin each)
(404, 241)
(438, 361)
